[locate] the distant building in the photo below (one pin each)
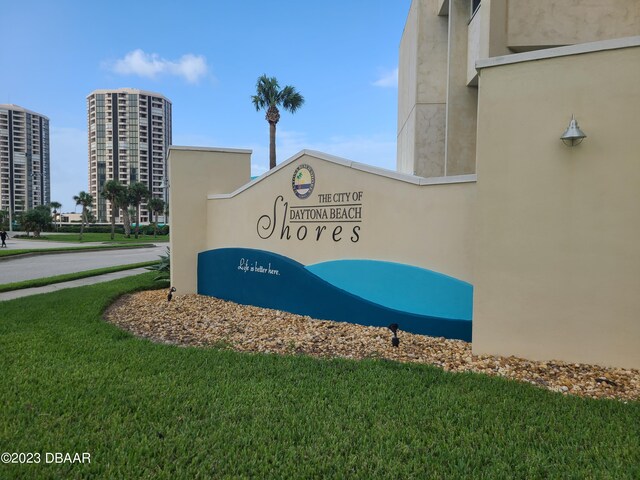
(24, 159)
(129, 134)
(70, 217)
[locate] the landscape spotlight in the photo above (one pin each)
(395, 341)
(170, 296)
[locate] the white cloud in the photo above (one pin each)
(387, 79)
(190, 67)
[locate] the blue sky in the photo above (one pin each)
(206, 56)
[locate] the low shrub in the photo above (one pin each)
(144, 229)
(88, 229)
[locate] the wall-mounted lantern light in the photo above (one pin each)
(573, 135)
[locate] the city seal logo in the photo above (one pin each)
(303, 181)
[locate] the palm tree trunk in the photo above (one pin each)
(137, 219)
(113, 220)
(272, 145)
(155, 225)
(84, 216)
(127, 222)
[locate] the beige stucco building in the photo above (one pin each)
(486, 194)
(25, 180)
(129, 133)
(487, 88)
(557, 262)
(441, 44)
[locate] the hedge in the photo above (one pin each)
(144, 229)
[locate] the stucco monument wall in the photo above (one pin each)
(334, 239)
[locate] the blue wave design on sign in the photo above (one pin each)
(269, 280)
(400, 287)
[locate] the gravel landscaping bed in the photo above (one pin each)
(204, 321)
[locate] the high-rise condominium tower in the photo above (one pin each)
(24, 159)
(129, 134)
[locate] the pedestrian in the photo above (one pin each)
(3, 237)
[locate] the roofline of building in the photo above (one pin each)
(382, 172)
(578, 49)
(128, 90)
(11, 106)
(208, 149)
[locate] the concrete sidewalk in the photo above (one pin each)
(71, 284)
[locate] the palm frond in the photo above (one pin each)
(258, 102)
(267, 92)
(291, 99)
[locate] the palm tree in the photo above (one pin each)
(138, 192)
(124, 203)
(269, 97)
(4, 219)
(155, 205)
(113, 191)
(131, 212)
(55, 206)
(86, 200)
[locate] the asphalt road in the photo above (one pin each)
(38, 266)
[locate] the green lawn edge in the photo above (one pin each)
(41, 282)
(73, 383)
(97, 237)
(46, 251)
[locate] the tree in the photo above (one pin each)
(4, 219)
(86, 200)
(113, 191)
(55, 206)
(36, 219)
(269, 97)
(138, 192)
(124, 202)
(131, 211)
(155, 205)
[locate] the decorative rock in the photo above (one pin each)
(204, 321)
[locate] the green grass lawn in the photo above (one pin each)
(101, 237)
(40, 282)
(72, 383)
(10, 253)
